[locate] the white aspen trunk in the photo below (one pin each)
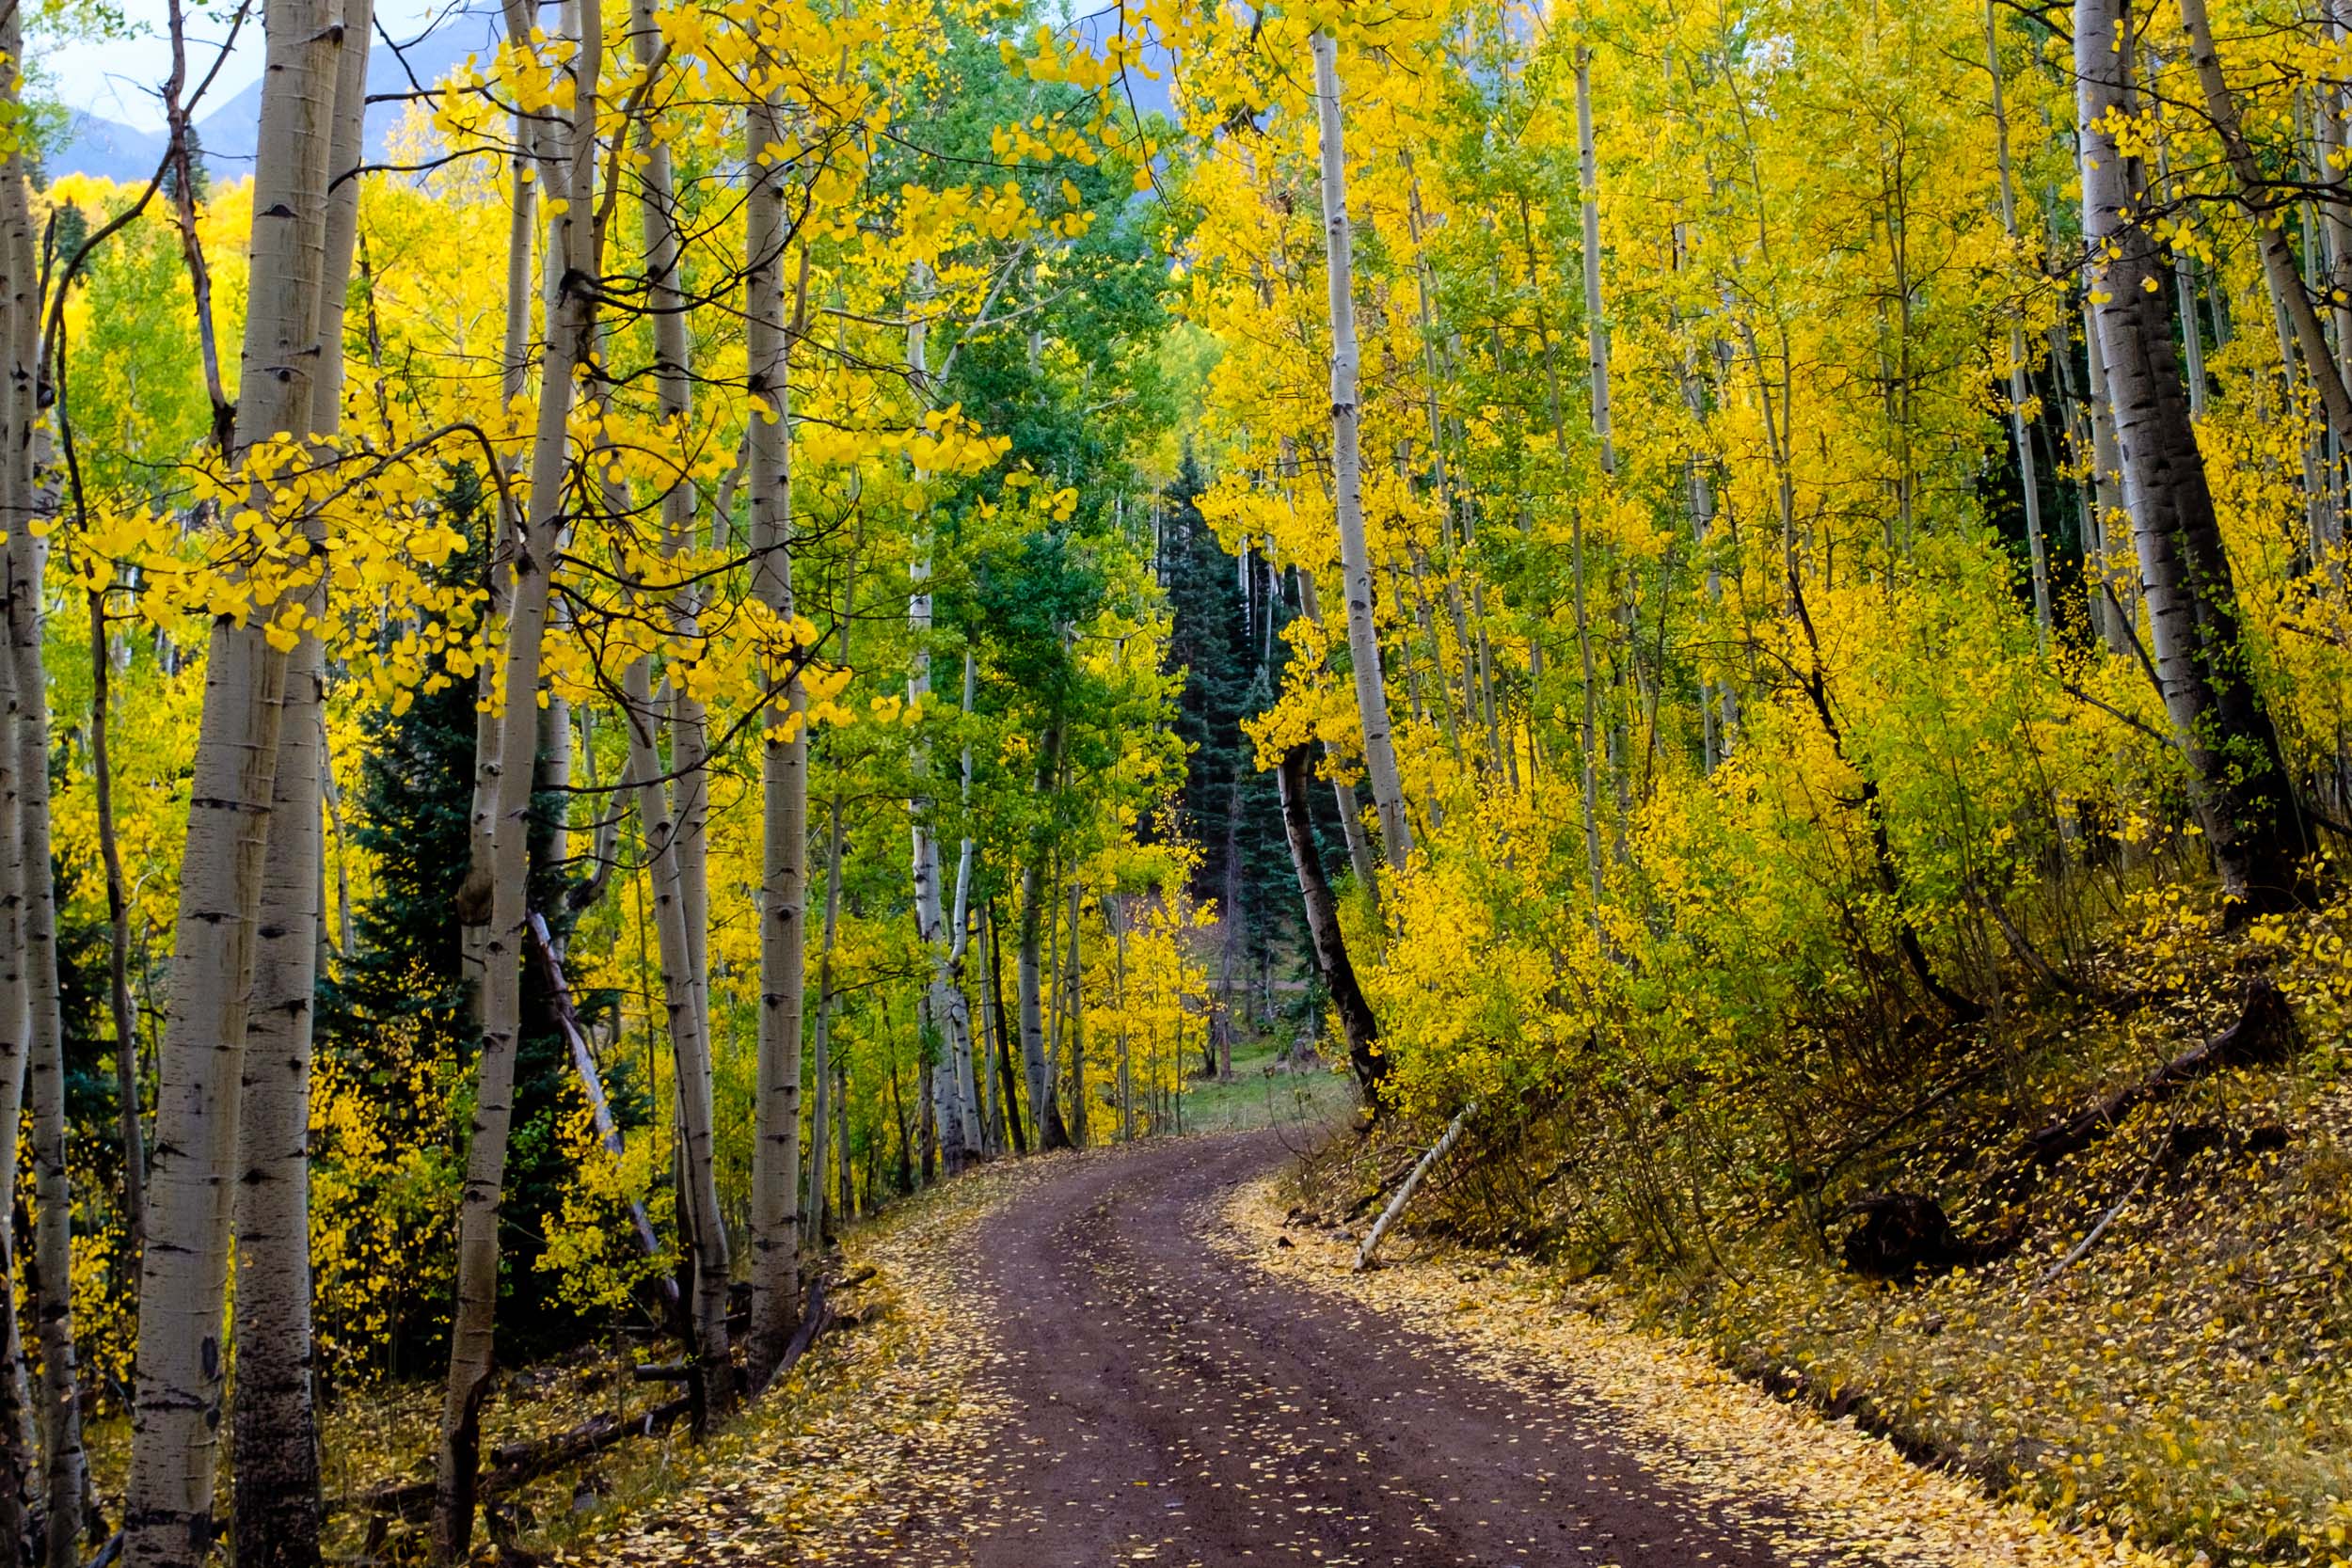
(63, 1462)
(2183, 266)
(530, 164)
(2280, 270)
(1596, 376)
(1328, 941)
(183, 1273)
(1388, 1215)
(34, 1029)
(1360, 858)
(570, 342)
(705, 1228)
(775, 1225)
(1474, 690)
(591, 1083)
(961, 1050)
(1051, 987)
(1007, 1082)
(1363, 635)
(552, 765)
(1718, 707)
(1116, 921)
(2021, 436)
(2339, 222)
(688, 727)
(274, 1431)
(1426, 295)
(344, 939)
(1588, 738)
(841, 1137)
(1596, 324)
(18, 1453)
(1078, 1092)
(824, 1010)
(942, 1013)
(2119, 613)
(2236, 776)
(19, 299)
(127, 1075)
(1045, 1104)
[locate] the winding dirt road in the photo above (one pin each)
(1175, 1404)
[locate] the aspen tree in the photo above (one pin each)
(570, 352)
(184, 1274)
(682, 1006)
(130, 1130)
(274, 1427)
(2020, 436)
(1036, 908)
(969, 1069)
(2217, 718)
(672, 379)
(776, 1235)
(1360, 857)
(20, 308)
(823, 1063)
(534, 161)
(34, 1027)
(32, 497)
(1328, 941)
(944, 1017)
(2280, 272)
(1597, 341)
(1363, 636)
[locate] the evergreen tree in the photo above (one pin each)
(1230, 649)
(406, 979)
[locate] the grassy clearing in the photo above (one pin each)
(1263, 1094)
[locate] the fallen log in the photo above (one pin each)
(2264, 1032)
(815, 1321)
(1903, 1234)
(2082, 1248)
(1385, 1184)
(514, 1465)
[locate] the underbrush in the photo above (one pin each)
(608, 1506)
(2147, 1333)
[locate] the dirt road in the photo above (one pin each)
(1175, 1404)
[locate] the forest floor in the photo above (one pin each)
(2153, 1338)
(1123, 1357)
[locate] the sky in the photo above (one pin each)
(117, 78)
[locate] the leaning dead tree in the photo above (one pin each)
(1437, 1151)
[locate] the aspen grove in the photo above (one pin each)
(628, 652)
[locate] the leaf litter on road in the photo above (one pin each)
(1849, 1495)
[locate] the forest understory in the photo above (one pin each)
(2073, 1253)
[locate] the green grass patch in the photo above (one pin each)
(1264, 1094)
